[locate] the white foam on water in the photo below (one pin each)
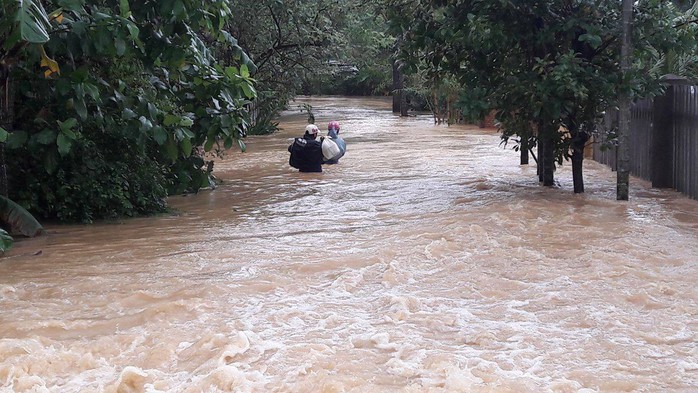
(413, 271)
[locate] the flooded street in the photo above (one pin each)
(428, 260)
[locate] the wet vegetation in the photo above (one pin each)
(548, 68)
(109, 106)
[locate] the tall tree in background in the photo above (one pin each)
(314, 47)
(623, 174)
(289, 41)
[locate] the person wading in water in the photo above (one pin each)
(306, 152)
(333, 134)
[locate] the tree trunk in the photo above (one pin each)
(577, 170)
(398, 82)
(549, 162)
(6, 120)
(403, 95)
(523, 149)
(541, 142)
(580, 137)
(546, 154)
(449, 115)
(437, 110)
(623, 174)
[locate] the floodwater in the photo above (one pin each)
(428, 260)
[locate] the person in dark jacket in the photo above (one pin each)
(333, 134)
(306, 152)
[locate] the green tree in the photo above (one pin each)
(547, 63)
(623, 174)
(119, 102)
(313, 47)
(289, 41)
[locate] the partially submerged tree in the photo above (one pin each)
(623, 174)
(548, 63)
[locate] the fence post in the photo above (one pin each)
(662, 149)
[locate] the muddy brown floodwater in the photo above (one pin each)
(428, 260)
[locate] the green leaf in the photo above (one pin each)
(68, 124)
(128, 114)
(206, 181)
(231, 72)
(6, 241)
(227, 37)
(153, 111)
(179, 10)
(16, 139)
(3, 135)
(244, 71)
(18, 218)
(171, 151)
(146, 124)
(69, 134)
(186, 122)
(160, 135)
(72, 5)
(242, 145)
(124, 9)
(120, 46)
(133, 30)
(209, 144)
(46, 137)
(593, 40)
(51, 162)
(33, 21)
(63, 86)
(228, 142)
(80, 108)
(186, 146)
(226, 121)
(64, 144)
(248, 90)
(171, 119)
(187, 133)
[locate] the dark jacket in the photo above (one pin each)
(332, 134)
(306, 154)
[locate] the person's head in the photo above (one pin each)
(333, 125)
(311, 130)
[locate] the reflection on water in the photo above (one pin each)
(428, 260)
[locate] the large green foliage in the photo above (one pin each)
(313, 47)
(366, 45)
(290, 41)
(18, 219)
(552, 63)
(131, 97)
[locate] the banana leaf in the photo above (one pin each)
(18, 219)
(6, 241)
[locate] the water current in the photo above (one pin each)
(428, 260)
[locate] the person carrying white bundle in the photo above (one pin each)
(333, 155)
(329, 149)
